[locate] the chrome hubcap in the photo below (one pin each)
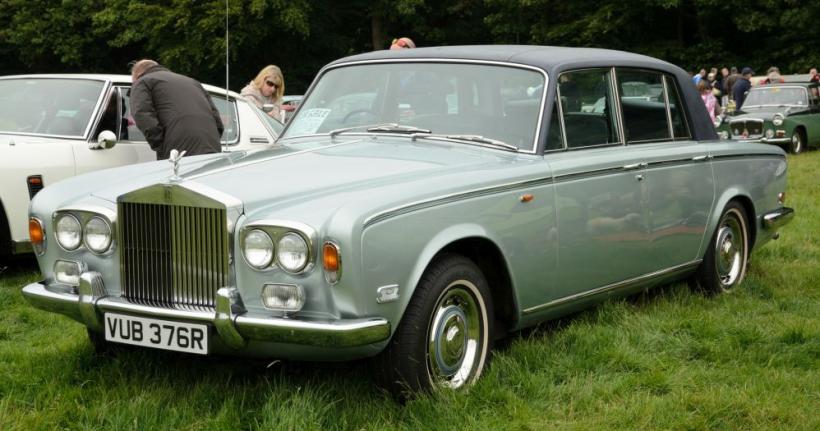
(797, 143)
(730, 251)
(455, 337)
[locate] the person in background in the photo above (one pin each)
(773, 76)
(267, 88)
(729, 82)
(709, 99)
(402, 43)
(698, 76)
(742, 86)
(173, 111)
(813, 75)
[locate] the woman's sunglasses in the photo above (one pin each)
(270, 84)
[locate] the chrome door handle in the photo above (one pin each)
(702, 158)
(633, 166)
(639, 177)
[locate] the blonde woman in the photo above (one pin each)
(267, 88)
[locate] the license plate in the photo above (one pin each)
(159, 334)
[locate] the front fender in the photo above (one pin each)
(404, 266)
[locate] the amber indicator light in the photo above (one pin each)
(330, 257)
(35, 231)
(527, 197)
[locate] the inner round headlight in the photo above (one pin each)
(769, 133)
(68, 231)
(97, 235)
(777, 120)
(292, 252)
(258, 249)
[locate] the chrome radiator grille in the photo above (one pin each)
(172, 256)
(747, 129)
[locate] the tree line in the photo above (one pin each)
(300, 36)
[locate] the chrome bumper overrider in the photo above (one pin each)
(233, 323)
(777, 218)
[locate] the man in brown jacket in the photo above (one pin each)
(173, 111)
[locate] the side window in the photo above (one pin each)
(643, 105)
(132, 133)
(588, 108)
(676, 110)
(230, 119)
(555, 140)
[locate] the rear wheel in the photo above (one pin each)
(443, 340)
(798, 142)
(724, 265)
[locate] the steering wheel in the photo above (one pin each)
(359, 112)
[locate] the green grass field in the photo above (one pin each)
(668, 359)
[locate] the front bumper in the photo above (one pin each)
(775, 140)
(235, 326)
(778, 218)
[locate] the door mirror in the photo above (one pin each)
(105, 140)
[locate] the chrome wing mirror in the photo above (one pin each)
(105, 140)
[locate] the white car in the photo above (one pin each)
(50, 129)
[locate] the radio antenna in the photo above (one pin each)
(227, 77)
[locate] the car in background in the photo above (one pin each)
(784, 114)
(56, 126)
(455, 195)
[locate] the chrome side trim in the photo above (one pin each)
(778, 218)
(746, 156)
(646, 277)
(445, 199)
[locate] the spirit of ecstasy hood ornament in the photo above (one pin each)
(174, 159)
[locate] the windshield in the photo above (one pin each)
(776, 96)
(47, 106)
(495, 102)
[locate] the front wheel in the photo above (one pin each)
(724, 265)
(798, 142)
(444, 338)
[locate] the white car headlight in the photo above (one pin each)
(769, 133)
(69, 232)
(292, 252)
(97, 235)
(777, 120)
(258, 249)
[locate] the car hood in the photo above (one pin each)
(765, 113)
(376, 171)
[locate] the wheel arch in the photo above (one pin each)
(5, 232)
(474, 243)
(745, 201)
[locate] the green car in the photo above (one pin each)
(420, 205)
(785, 114)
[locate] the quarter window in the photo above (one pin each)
(679, 128)
(588, 108)
(643, 105)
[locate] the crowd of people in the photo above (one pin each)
(726, 90)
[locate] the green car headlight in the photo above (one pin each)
(777, 120)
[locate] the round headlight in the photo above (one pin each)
(769, 133)
(718, 121)
(777, 120)
(68, 231)
(292, 252)
(97, 235)
(258, 249)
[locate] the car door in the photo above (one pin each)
(599, 192)
(678, 177)
(130, 147)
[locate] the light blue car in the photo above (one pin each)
(420, 205)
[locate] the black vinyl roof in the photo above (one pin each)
(554, 60)
(549, 58)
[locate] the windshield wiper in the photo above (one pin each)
(470, 138)
(398, 128)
